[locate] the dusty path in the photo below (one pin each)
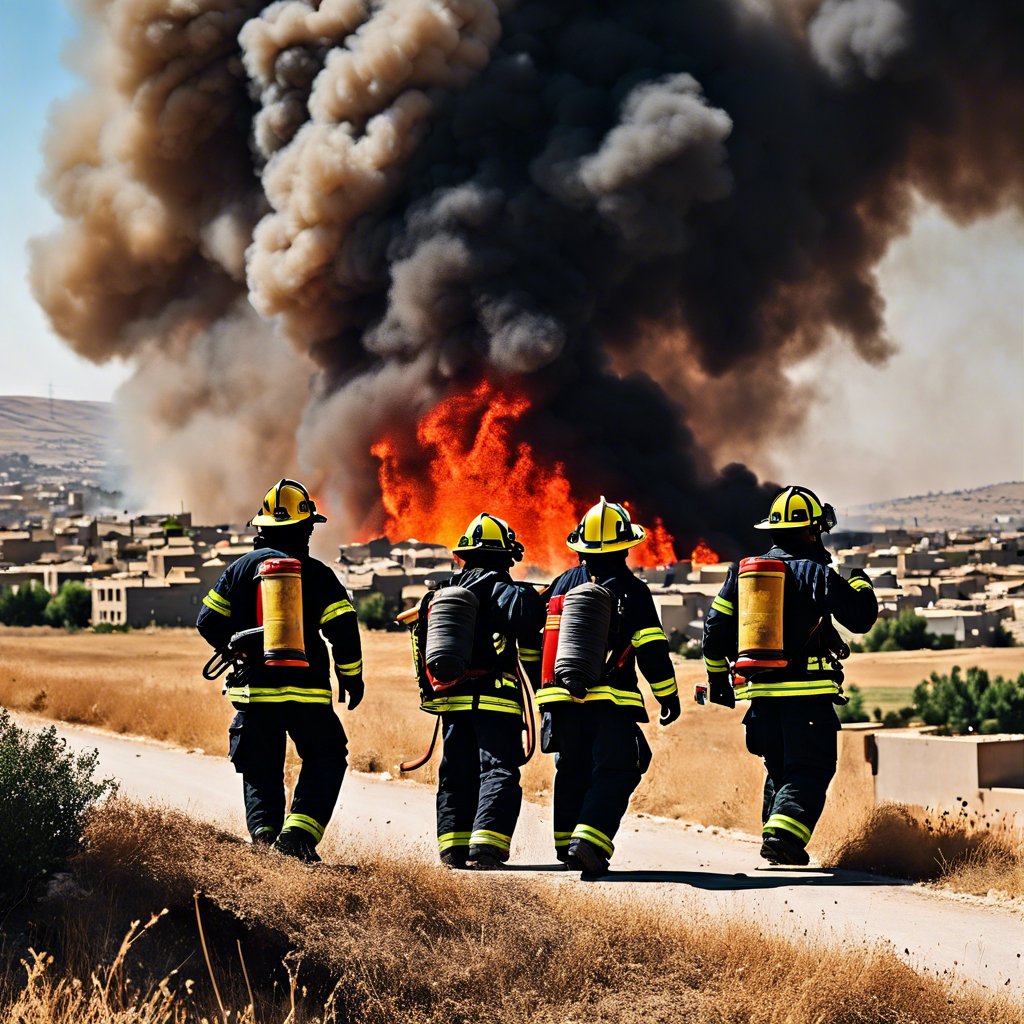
(694, 871)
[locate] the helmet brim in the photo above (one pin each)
(601, 548)
(264, 520)
(765, 525)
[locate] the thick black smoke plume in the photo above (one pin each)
(640, 212)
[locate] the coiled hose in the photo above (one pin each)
(583, 637)
(451, 627)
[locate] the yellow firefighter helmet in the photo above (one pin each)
(796, 507)
(605, 527)
(489, 533)
(285, 504)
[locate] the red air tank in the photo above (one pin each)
(552, 626)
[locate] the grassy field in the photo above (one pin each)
(394, 943)
(149, 683)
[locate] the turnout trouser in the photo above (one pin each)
(600, 757)
(797, 737)
(478, 790)
(259, 736)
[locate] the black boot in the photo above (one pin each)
(586, 858)
(784, 849)
(485, 858)
(454, 859)
(264, 836)
(294, 842)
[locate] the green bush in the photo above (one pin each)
(959, 703)
(853, 711)
(111, 627)
(1001, 637)
(72, 607)
(25, 606)
(907, 631)
(46, 793)
(372, 611)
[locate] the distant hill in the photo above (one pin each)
(977, 508)
(59, 431)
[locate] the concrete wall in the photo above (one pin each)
(943, 771)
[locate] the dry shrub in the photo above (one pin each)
(410, 943)
(961, 850)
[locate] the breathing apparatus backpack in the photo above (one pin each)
(444, 639)
(761, 604)
(576, 634)
(762, 587)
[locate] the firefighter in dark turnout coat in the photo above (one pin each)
(273, 703)
(478, 789)
(600, 752)
(791, 722)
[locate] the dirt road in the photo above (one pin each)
(692, 870)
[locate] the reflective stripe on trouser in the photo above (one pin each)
(304, 823)
(451, 840)
(478, 791)
(601, 757)
(259, 735)
(797, 737)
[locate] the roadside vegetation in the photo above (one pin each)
(410, 944)
(971, 702)
(960, 849)
(33, 605)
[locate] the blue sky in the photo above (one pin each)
(33, 34)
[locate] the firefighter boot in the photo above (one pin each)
(782, 849)
(481, 858)
(586, 858)
(297, 843)
(454, 859)
(264, 837)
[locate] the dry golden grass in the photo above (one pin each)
(149, 683)
(398, 944)
(966, 852)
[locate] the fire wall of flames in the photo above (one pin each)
(469, 471)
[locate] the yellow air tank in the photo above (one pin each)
(281, 600)
(762, 584)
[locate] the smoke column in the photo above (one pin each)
(306, 223)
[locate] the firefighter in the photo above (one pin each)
(478, 790)
(791, 721)
(273, 703)
(600, 752)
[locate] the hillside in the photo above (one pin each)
(56, 432)
(978, 507)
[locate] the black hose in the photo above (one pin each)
(451, 628)
(583, 637)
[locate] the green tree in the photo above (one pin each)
(1002, 637)
(971, 702)
(72, 607)
(372, 611)
(853, 710)
(46, 793)
(25, 606)
(907, 631)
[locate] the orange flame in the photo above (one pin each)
(469, 472)
(703, 555)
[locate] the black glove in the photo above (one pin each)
(670, 709)
(353, 686)
(720, 690)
